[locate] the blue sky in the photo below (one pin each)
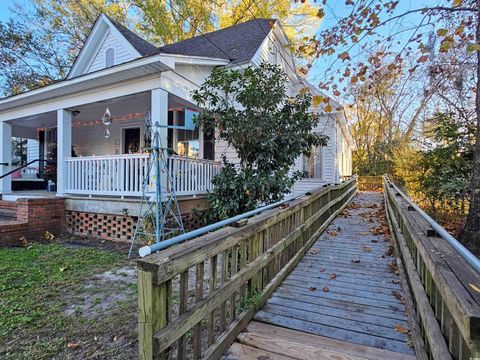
(323, 69)
(4, 11)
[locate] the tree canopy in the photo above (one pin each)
(40, 42)
(402, 64)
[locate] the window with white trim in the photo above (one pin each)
(312, 165)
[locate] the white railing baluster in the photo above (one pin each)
(123, 175)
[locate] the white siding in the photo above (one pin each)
(222, 148)
(329, 151)
(33, 150)
(344, 154)
(89, 140)
(122, 54)
(194, 73)
(273, 51)
(326, 126)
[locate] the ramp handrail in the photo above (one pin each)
(443, 282)
(454, 243)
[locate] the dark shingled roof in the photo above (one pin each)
(238, 43)
(141, 45)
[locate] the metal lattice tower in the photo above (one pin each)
(159, 216)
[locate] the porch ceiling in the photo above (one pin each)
(122, 106)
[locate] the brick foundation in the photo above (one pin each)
(34, 218)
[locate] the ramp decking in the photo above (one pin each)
(342, 301)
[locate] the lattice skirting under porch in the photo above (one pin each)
(114, 227)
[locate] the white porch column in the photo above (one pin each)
(5, 157)
(159, 112)
(64, 148)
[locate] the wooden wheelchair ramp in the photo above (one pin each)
(343, 300)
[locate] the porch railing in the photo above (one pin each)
(192, 176)
(122, 175)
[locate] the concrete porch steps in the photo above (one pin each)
(8, 210)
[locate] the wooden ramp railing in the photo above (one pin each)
(444, 288)
(196, 297)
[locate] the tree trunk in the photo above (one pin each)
(471, 233)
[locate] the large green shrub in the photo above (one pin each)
(251, 111)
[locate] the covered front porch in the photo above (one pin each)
(98, 147)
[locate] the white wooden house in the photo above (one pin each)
(99, 167)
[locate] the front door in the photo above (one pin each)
(131, 141)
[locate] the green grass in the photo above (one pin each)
(37, 284)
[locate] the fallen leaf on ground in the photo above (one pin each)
(356, 261)
(63, 268)
(325, 289)
(374, 241)
(313, 251)
(312, 288)
(399, 296)
(401, 329)
(379, 230)
(73, 346)
(321, 270)
(396, 281)
(332, 276)
(476, 288)
(390, 250)
(353, 205)
(364, 233)
(345, 213)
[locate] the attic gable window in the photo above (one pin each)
(110, 57)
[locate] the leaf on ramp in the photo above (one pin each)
(474, 287)
(73, 346)
(401, 329)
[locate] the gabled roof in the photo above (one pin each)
(140, 44)
(97, 35)
(238, 43)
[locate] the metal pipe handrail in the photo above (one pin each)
(461, 250)
(23, 166)
(147, 250)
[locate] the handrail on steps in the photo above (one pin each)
(21, 167)
(461, 250)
